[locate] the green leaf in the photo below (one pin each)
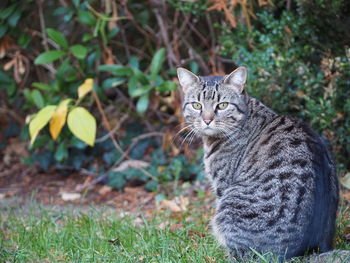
(40, 120)
(167, 86)
(65, 69)
(58, 37)
(76, 3)
(3, 29)
(140, 90)
(86, 18)
(134, 62)
(49, 56)
(87, 37)
(117, 70)
(82, 124)
(61, 152)
(116, 180)
(24, 39)
(132, 86)
(140, 76)
(78, 51)
(37, 98)
(157, 62)
(42, 86)
(13, 19)
(142, 103)
(28, 95)
(151, 186)
(6, 12)
(112, 82)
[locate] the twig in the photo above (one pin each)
(92, 183)
(211, 30)
(202, 38)
(164, 32)
(38, 33)
(134, 142)
(138, 27)
(106, 122)
(13, 114)
(134, 49)
(125, 43)
(116, 127)
(42, 24)
(103, 17)
(195, 55)
(116, 145)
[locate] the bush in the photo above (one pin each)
(288, 72)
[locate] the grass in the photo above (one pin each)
(38, 234)
(98, 235)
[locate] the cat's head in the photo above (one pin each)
(214, 106)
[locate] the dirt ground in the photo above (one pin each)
(52, 188)
(20, 184)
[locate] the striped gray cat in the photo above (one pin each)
(273, 176)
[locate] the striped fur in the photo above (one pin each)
(273, 176)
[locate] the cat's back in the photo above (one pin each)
(286, 190)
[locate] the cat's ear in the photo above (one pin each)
(186, 78)
(237, 78)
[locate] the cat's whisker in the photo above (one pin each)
(193, 136)
(179, 132)
(187, 136)
(225, 131)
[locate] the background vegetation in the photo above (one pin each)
(298, 64)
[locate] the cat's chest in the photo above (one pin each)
(218, 161)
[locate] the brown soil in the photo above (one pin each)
(20, 183)
(24, 183)
(50, 188)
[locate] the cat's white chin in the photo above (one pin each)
(210, 132)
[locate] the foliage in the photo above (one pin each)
(291, 74)
(80, 122)
(332, 30)
(298, 64)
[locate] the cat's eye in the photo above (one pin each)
(196, 105)
(222, 105)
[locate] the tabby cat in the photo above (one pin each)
(273, 176)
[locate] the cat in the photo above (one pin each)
(274, 178)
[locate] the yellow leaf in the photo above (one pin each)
(40, 120)
(82, 124)
(59, 119)
(85, 88)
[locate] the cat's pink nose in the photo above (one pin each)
(207, 122)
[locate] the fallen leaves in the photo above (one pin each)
(175, 227)
(178, 204)
(70, 196)
(128, 164)
(104, 190)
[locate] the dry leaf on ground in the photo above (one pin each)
(175, 227)
(70, 196)
(137, 164)
(169, 205)
(105, 189)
